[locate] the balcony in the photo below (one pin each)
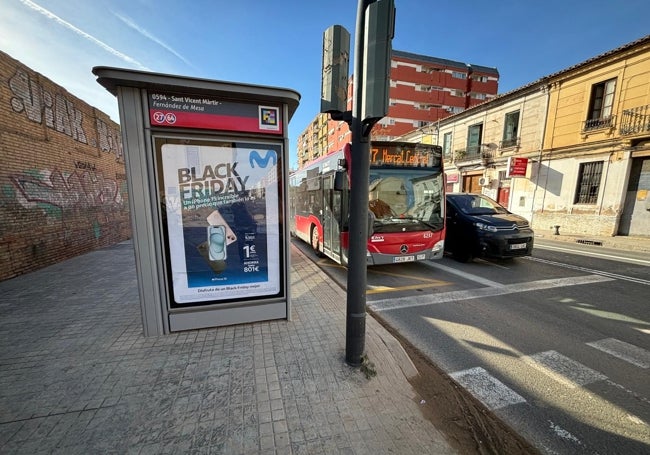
(473, 152)
(635, 120)
(599, 123)
(507, 143)
(488, 154)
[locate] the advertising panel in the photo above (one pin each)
(222, 216)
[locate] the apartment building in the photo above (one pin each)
(313, 141)
(422, 91)
(570, 151)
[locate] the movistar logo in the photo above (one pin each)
(255, 157)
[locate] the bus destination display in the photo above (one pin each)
(388, 154)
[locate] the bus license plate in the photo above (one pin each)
(518, 246)
(404, 259)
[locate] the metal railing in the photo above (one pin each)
(513, 142)
(599, 123)
(472, 152)
(635, 120)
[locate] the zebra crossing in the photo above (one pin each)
(494, 394)
(624, 351)
(573, 381)
(561, 384)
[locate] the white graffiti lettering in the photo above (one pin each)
(59, 114)
(109, 140)
(85, 190)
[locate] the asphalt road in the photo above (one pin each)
(557, 344)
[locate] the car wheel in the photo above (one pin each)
(463, 255)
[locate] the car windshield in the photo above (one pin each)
(476, 204)
(406, 199)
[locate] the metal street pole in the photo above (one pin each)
(355, 328)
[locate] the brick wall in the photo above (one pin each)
(63, 186)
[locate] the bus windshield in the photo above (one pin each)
(406, 199)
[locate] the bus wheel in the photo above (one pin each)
(314, 240)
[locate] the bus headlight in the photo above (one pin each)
(438, 247)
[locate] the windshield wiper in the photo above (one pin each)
(434, 227)
(426, 223)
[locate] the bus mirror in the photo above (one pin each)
(339, 180)
(371, 223)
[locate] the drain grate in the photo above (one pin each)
(590, 242)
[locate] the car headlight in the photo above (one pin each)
(485, 227)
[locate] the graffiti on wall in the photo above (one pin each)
(109, 140)
(78, 190)
(59, 114)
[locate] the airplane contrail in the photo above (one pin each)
(148, 35)
(83, 34)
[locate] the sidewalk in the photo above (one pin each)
(625, 243)
(78, 377)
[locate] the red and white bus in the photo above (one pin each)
(406, 206)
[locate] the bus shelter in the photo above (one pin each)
(207, 166)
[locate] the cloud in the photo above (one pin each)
(83, 34)
(151, 37)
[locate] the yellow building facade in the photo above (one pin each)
(594, 174)
(584, 134)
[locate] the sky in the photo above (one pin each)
(279, 43)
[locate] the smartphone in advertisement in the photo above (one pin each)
(217, 250)
(216, 219)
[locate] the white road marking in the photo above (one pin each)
(456, 296)
(624, 351)
(628, 391)
(467, 276)
(489, 390)
(564, 434)
(594, 254)
(563, 369)
(584, 269)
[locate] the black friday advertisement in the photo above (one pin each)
(222, 219)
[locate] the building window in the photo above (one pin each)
(510, 129)
(428, 69)
(588, 182)
(457, 93)
(480, 78)
(446, 144)
(474, 134)
(600, 105)
(458, 75)
(478, 96)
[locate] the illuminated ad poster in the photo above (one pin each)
(222, 216)
(193, 111)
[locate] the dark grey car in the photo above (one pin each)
(478, 226)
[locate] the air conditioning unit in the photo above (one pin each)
(484, 181)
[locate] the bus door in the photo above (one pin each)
(331, 218)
